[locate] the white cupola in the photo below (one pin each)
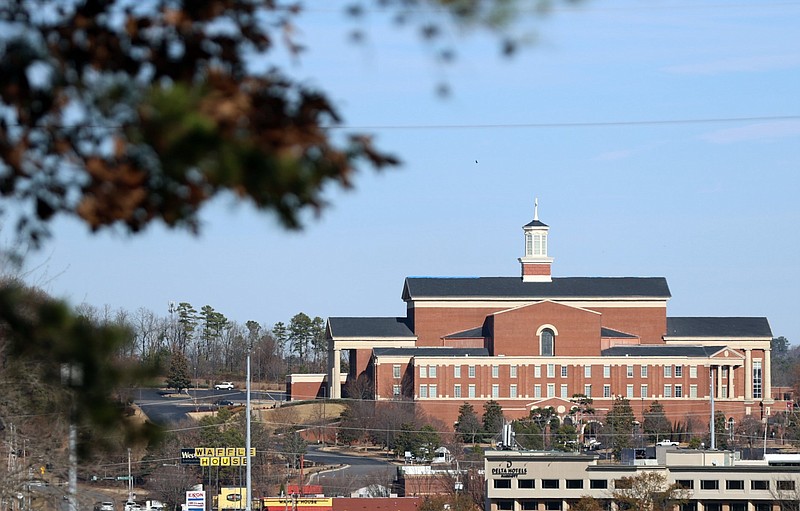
(535, 263)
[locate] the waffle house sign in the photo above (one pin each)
(216, 456)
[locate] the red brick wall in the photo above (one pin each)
(431, 324)
(578, 330)
(536, 269)
(299, 391)
(649, 323)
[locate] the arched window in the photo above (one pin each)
(547, 340)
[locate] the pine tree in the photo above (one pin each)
(468, 424)
(655, 425)
(493, 419)
(178, 377)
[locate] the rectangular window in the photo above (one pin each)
(667, 371)
(552, 505)
(433, 390)
(513, 371)
(528, 505)
(564, 373)
(709, 484)
(505, 505)
(587, 390)
(598, 484)
(432, 371)
(737, 484)
(737, 506)
(784, 485)
(643, 371)
(667, 390)
(759, 485)
(606, 390)
(723, 391)
(396, 390)
(587, 371)
(471, 390)
(551, 390)
(423, 371)
(692, 371)
(495, 371)
(495, 390)
(564, 391)
(762, 506)
(396, 371)
(551, 370)
(629, 391)
(606, 371)
(537, 371)
(527, 484)
(512, 390)
(756, 379)
(693, 391)
(456, 371)
(549, 484)
(574, 484)
(423, 391)
(502, 483)
(629, 371)
(537, 390)
(678, 390)
(471, 371)
(686, 484)
(678, 371)
(457, 390)
(623, 484)
(643, 390)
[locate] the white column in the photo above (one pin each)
(718, 390)
(766, 376)
(731, 390)
(748, 375)
(336, 376)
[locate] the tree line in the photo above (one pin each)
(212, 347)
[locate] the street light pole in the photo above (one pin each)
(248, 442)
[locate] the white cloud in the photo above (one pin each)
(758, 131)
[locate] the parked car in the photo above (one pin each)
(224, 402)
(224, 385)
(668, 442)
(104, 506)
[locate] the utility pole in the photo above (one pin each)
(248, 471)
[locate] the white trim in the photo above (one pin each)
(502, 302)
(549, 327)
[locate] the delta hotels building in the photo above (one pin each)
(536, 340)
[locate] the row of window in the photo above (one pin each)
(601, 484)
(556, 505)
(670, 371)
(431, 390)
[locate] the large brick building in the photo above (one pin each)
(536, 340)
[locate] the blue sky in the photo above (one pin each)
(583, 120)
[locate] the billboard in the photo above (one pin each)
(299, 503)
(196, 500)
(216, 456)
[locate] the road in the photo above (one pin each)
(165, 408)
(361, 471)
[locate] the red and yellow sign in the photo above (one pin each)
(299, 503)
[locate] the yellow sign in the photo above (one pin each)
(300, 501)
(223, 456)
(232, 498)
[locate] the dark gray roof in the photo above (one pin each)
(514, 287)
(660, 350)
(370, 327)
(467, 334)
(430, 352)
(608, 332)
(718, 327)
(535, 223)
